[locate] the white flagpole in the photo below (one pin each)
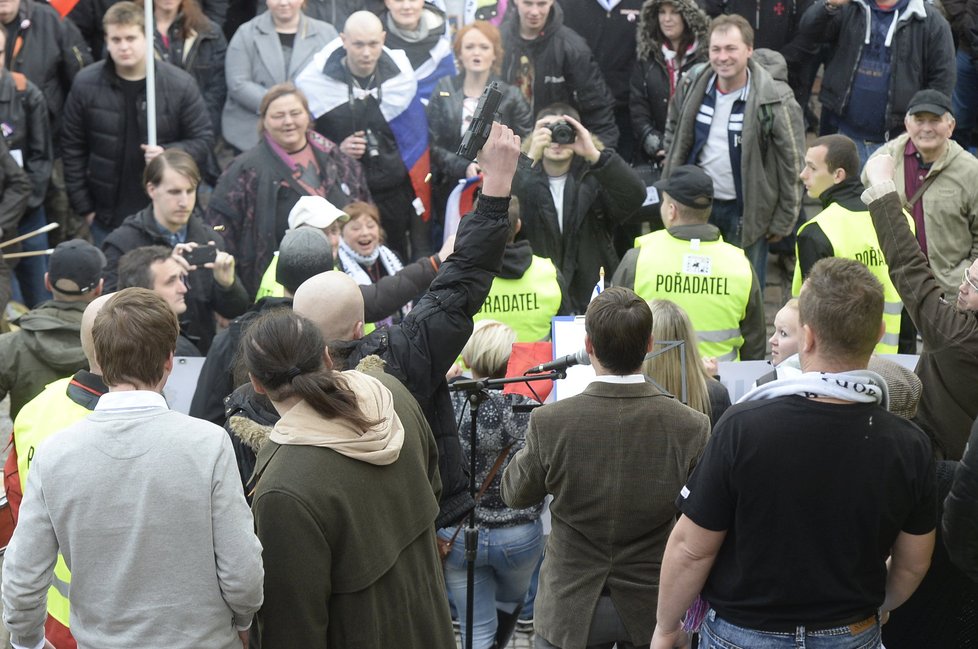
(150, 74)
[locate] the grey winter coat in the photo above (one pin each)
(254, 63)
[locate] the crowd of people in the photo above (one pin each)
(289, 202)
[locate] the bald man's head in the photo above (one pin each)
(363, 39)
(88, 321)
(333, 301)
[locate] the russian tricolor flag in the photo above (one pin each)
(401, 106)
(460, 203)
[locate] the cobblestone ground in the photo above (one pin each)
(521, 640)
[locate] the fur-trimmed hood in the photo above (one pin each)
(251, 417)
(648, 42)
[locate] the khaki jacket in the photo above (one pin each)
(772, 153)
(950, 210)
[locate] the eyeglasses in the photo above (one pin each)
(967, 278)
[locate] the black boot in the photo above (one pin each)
(505, 625)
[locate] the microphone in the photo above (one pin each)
(562, 363)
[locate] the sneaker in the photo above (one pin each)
(524, 625)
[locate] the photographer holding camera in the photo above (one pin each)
(572, 198)
(213, 285)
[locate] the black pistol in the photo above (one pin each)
(481, 125)
(478, 132)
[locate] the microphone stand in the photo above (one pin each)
(477, 392)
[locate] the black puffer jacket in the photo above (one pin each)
(921, 44)
(204, 295)
(53, 52)
(650, 87)
(93, 134)
(445, 125)
(564, 71)
(201, 55)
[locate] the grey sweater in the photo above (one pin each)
(146, 507)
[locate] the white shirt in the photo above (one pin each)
(620, 379)
(131, 400)
(557, 184)
(715, 156)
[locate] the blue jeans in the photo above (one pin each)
(726, 216)
(29, 289)
(964, 100)
(717, 633)
(505, 559)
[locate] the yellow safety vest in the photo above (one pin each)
(527, 304)
(47, 413)
(711, 280)
(853, 236)
(268, 286)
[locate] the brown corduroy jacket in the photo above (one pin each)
(615, 458)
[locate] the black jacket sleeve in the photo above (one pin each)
(215, 380)
(432, 335)
(195, 132)
(74, 151)
(624, 190)
(232, 301)
(113, 252)
(639, 105)
(822, 24)
(812, 246)
(753, 327)
(15, 191)
(39, 156)
(214, 85)
(960, 521)
(391, 292)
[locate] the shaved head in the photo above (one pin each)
(363, 22)
(334, 303)
(88, 321)
(363, 39)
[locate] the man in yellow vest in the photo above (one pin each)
(58, 406)
(528, 292)
(844, 228)
(690, 264)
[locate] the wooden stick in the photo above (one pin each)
(46, 228)
(30, 253)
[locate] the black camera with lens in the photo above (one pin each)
(373, 146)
(561, 132)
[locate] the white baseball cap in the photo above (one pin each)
(317, 212)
